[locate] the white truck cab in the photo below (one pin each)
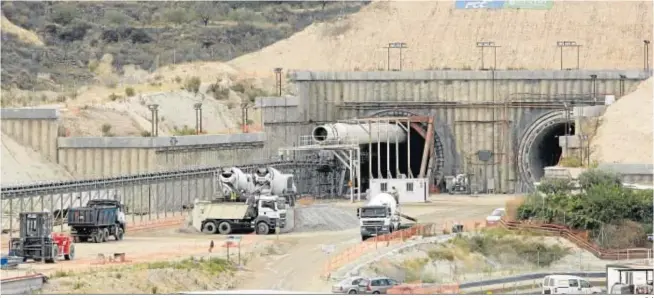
(567, 285)
(379, 216)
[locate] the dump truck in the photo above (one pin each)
(380, 216)
(271, 181)
(98, 221)
(262, 213)
(38, 242)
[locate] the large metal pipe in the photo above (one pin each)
(359, 134)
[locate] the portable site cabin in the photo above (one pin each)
(414, 190)
(629, 274)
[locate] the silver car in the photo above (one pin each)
(376, 285)
(349, 285)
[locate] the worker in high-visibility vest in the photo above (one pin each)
(395, 195)
(232, 196)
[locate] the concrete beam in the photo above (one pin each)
(284, 101)
(28, 113)
(588, 111)
(158, 142)
(628, 169)
(469, 75)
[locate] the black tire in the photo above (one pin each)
(119, 234)
(224, 228)
(83, 239)
(209, 227)
(352, 292)
(97, 238)
(71, 253)
(364, 238)
(376, 293)
(263, 228)
(105, 234)
(55, 253)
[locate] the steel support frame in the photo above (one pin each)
(348, 154)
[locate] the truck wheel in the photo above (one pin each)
(53, 257)
(119, 234)
(105, 234)
(364, 238)
(209, 227)
(71, 253)
(263, 228)
(224, 228)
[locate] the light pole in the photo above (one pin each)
(622, 77)
(646, 55)
(593, 86)
(154, 120)
(198, 117)
(488, 44)
(568, 44)
(278, 78)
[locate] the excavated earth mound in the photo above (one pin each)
(625, 132)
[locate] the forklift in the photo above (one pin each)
(38, 242)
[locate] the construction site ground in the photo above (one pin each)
(290, 261)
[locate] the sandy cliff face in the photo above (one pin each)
(439, 36)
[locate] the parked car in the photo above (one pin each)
(495, 216)
(568, 284)
(349, 285)
(376, 285)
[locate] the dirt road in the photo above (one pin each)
(300, 265)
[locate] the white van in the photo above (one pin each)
(567, 284)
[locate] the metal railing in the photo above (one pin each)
(147, 197)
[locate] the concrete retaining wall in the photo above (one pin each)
(475, 110)
(94, 157)
(632, 173)
(33, 128)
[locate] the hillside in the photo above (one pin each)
(48, 44)
(439, 36)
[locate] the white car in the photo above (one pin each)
(567, 284)
(495, 216)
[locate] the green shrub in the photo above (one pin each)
(193, 84)
(129, 91)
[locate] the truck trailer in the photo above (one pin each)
(262, 213)
(96, 222)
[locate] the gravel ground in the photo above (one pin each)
(316, 218)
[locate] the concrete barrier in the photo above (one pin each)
(22, 284)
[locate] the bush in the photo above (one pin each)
(106, 129)
(603, 203)
(594, 177)
(63, 13)
(129, 91)
(183, 131)
(218, 91)
(193, 85)
(553, 185)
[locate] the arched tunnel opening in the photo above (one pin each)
(545, 150)
(386, 159)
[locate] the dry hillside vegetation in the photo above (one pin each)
(439, 36)
(625, 133)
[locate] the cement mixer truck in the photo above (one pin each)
(235, 183)
(270, 181)
(380, 216)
